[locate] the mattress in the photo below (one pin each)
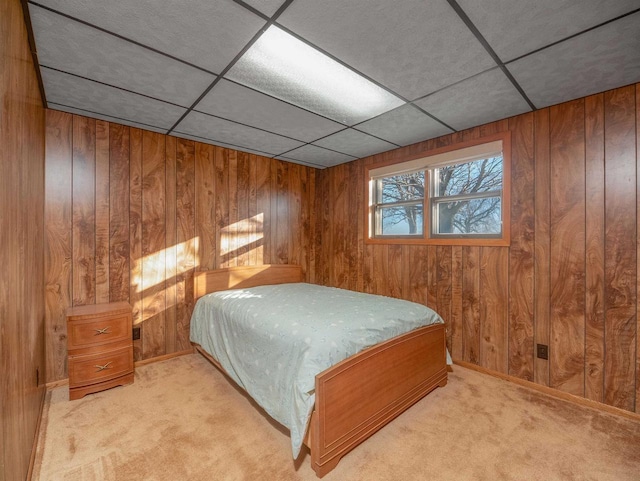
(273, 340)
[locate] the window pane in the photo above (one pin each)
(475, 216)
(405, 220)
(402, 187)
(478, 176)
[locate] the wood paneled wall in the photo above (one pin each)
(570, 276)
(131, 214)
(21, 246)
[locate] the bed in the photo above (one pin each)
(352, 398)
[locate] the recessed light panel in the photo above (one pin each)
(280, 65)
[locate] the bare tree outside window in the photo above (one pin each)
(466, 199)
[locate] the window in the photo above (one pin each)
(455, 195)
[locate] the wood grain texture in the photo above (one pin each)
(567, 225)
(620, 253)
(521, 254)
(550, 298)
(166, 204)
(153, 244)
(542, 261)
(171, 257)
(211, 210)
(59, 224)
(638, 251)
(102, 212)
(83, 242)
(443, 282)
(595, 248)
(456, 303)
(187, 241)
(119, 268)
(549, 286)
(494, 308)
(135, 237)
(22, 208)
(471, 304)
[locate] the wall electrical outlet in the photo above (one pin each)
(542, 351)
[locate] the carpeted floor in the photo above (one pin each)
(183, 420)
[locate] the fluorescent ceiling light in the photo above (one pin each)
(280, 65)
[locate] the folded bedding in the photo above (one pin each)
(273, 340)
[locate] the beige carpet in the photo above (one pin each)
(183, 420)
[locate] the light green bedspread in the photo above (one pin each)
(273, 340)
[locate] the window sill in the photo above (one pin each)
(439, 242)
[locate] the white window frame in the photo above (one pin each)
(428, 162)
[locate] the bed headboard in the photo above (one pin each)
(244, 276)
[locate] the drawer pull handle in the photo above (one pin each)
(104, 330)
(102, 368)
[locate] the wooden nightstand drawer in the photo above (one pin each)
(100, 367)
(99, 347)
(95, 332)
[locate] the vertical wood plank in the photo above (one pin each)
(296, 187)
(620, 253)
(83, 242)
(521, 254)
(153, 244)
(135, 235)
(282, 212)
(432, 277)
(471, 304)
(186, 238)
(542, 266)
(244, 191)
(119, 255)
(567, 192)
(263, 209)
(394, 270)
(456, 302)
(352, 188)
(638, 251)
(494, 308)
(252, 254)
(171, 257)
(231, 229)
(58, 225)
(312, 214)
(595, 248)
(102, 211)
(207, 203)
(443, 286)
(419, 274)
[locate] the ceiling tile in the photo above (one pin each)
(220, 130)
(75, 92)
(221, 144)
(484, 98)
(203, 32)
(108, 118)
(317, 156)
(412, 47)
(355, 143)
(404, 125)
(283, 66)
(241, 104)
(517, 27)
(268, 7)
(599, 60)
(73, 47)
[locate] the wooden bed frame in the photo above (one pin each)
(358, 396)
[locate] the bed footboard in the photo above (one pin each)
(360, 395)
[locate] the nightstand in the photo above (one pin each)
(100, 347)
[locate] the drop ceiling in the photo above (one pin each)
(185, 68)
